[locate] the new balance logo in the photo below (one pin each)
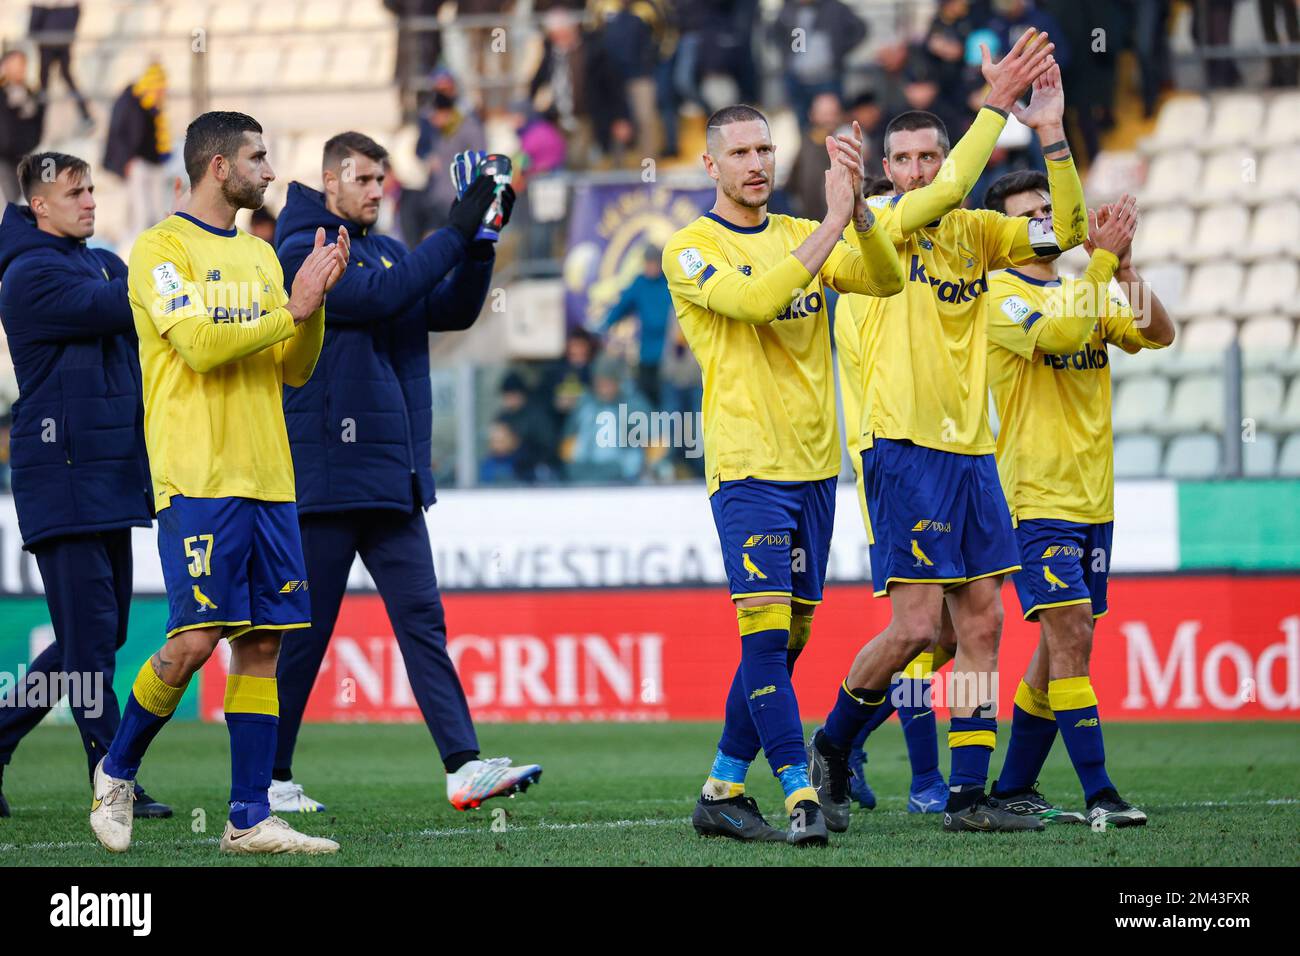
(214, 275)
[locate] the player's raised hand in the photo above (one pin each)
(342, 250)
(308, 292)
(1112, 228)
(1014, 73)
(846, 148)
(1046, 102)
(841, 198)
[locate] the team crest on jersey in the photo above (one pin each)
(266, 281)
(967, 255)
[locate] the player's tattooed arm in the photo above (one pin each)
(863, 217)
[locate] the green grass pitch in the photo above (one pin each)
(621, 794)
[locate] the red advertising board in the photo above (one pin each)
(1185, 647)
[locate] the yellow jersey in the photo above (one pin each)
(756, 322)
(1054, 448)
(849, 365)
(219, 432)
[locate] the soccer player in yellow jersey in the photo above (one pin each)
(219, 339)
(748, 292)
(1050, 374)
(940, 532)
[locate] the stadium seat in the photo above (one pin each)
(1168, 178)
(320, 14)
(369, 13)
(1266, 341)
(1213, 287)
(1227, 174)
(1288, 461)
(229, 20)
(1270, 286)
(1168, 281)
(1220, 233)
(1139, 403)
(1283, 124)
(1203, 342)
(1279, 174)
(305, 65)
(1274, 230)
(1288, 419)
(1137, 456)
(277, 17)
(1193, 456)
(1238, 118)
(1162, 235)
(1196, 403)
(1182, 122)
(1259, 457)
(182, 17)
(1261, 397)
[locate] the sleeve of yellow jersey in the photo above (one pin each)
(1010, 240)
(1120, 326)
(161, 280)
(864, 262)
(1020, 325)
(698, 273)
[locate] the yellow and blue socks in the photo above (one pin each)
(1074, 703)
(1033, 730)
(971, 740)
(150, 705)
(769, 695)
(252, 716)
(920, 730)
(726, 778)
(795, 785)
(854, 710)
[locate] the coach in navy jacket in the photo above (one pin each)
(361, 430)
(79, 468)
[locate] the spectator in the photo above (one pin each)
(537, 455)
(922, 91)
(1091, 76)
(1283, 71)
(445, 130)
(594, 447)
(631, 36)
(1212, 26)
(647, 298)
(683, 392)
(865, 110)
(945, 48)
(540, 142)
(813, 59)
(716, 38)
(1150, 34)
(806, 186)
(139, 142)
(52, 26)
(22, 117)
(577, 78)
(417, 50)
(502, 465)
(262, 224)
(565, 380)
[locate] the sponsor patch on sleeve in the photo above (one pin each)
(166, 279)
(692, 262)
(1016, 309)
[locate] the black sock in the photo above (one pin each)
(457, 760)
(963, 797)
(282, 773)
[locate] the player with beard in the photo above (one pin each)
(219, 339)
(748, 291)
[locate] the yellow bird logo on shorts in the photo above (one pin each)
(922, 559)
(205, 603)
(752, 568)
(1053, 580)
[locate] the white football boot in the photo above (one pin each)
(481, 780)
(273, 835)
(288, 797)
(111, 809)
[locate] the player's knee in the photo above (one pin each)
(983, 631)
(914, 633)
(258, 646)
(190, 650)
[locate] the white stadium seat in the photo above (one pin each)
(1168, 281)
(1270, 286)
(1288, 461)
(1182, 122)
(1137, 456)
(1220, 233)
(1238, 118)
(1283, 123)
(1213, 287)
(1279, 174)
(1288, 418)
(1162, 235)
(1274, 230)
(1168, 178)
(1203, 341)
(1261, 398)
(1139, 403)
(1266, 341)
(1259, 457)
(1227, 174)
(1193, 456)
(1195, 404)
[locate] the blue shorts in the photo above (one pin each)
(776, 536)
(233, 562)
(936, 517)
(1065, 562)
